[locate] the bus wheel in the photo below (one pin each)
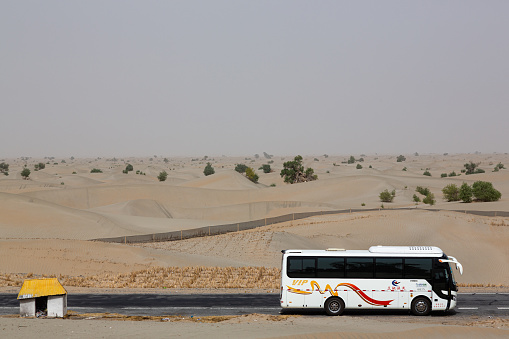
(421, 306)
(334, 306)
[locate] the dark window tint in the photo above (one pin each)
(330, 267)
(301, 267)
(389, 268)
(418, 268)
(359, 267)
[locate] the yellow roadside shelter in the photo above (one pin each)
(42, 297)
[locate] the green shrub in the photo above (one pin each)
(423, 190)
(266, 169)
(465, 193)
(484, 191)
(96, 170)
(125, 171)
(404, 169)
(452, 174)
(251, 175)
(74, 172)
(162, 176)
(451, 192)
(359, 166)
(241, 168)
(272, 185)
(479, 170)
(400, 158)
(393, 193)
(386, 196)
(429, 199)
(416, 198)
(209, 170)
(443, 175)
(129, 168)
(427, 173)
(351, 160)
(363, 204)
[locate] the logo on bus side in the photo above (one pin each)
(395, 283)
(334, 292)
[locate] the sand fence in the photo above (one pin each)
(241, 226)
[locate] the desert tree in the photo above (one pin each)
(400, 158)
(241, 168)
(129, 168)
(470, 167)
(209, 170)
(266, 168)
(293, 172)
(25, 173)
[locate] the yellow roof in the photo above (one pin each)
(33, 288)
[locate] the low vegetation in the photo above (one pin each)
(162, 176)
(251, 175)
(168, 277)
(423, 190)
(400, 158)
(209, 170)
(429, 199)
(386, 196)
(95, 170)
(451, 192)
(4, 168)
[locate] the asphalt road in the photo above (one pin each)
(489, 304)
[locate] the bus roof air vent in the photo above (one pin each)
(335, 249)
(405, 249)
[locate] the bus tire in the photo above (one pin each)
(421, 306)
(334, 306)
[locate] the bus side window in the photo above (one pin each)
(389, 268)
(418, 268)
(301, 267)
(359, 267)
(330, 267)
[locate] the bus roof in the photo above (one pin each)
(374, 251)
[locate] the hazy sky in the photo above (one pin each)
(117, 78)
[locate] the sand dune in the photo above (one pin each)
(94, 205)
(224, 180)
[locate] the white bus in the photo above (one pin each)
(417, 278)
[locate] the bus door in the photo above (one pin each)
(441, 288)
(300, 271)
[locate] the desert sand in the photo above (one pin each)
(47, 223)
